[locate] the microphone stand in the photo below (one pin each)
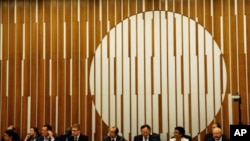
(238, 99)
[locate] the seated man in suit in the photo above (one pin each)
(209, 135)
(146, 134)
(179, 134)
(66, 135)
(76, 134)
(217, 135)
(47, 134)
(113, 135)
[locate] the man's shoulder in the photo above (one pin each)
(225, 138)
(137, 137)
(106, 138)
(84, 136)
(210, 139)
(155, 135)
(120, 138)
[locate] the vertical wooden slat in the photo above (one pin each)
(241, 57)
(41, 66)
(27, 65)
(225, 39)
(208, 17)
(11, 75)
(75, 72)
(35, 115)
(139, 7)
(185, 7)
(247, 6)
(200, 11)
(47, 56)
(98, 23)
(83, 69)
(148, 5)
(104, 32)
(170, 6)
(24, 73)
(233, 57)
(217, 32)
(26, 53)
(132, 8)
(18, 60)
(233, 48)
(5, 37)
(97, 40)
(157, 4)
(74, 10)
(61, 67)
(163, 5)
(178, 6)
(91, 36)
(118, 11)
(20, 11)
(192, 8)
(247, 12)
(54, 48)
(125, 7)
(68, 101)
(83, 83)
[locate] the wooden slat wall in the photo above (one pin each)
(48, 48)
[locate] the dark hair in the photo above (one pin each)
(48, 126)
(145, 126)
(10, 133)
(218, 125)
(36, 130)
(68, 131)
(180, 129)
(116, 130)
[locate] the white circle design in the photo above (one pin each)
(158, 57)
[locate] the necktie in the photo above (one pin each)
(75, 138)
(145, 139)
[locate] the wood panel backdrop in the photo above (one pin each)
(102, 63)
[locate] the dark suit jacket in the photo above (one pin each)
(224, 138)
(152, 137)
(65, 137)
(41, 138)
(81, 138)
(208, 135)
(118, 138)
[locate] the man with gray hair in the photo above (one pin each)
(217, 135)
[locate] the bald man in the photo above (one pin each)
(217, 135)
(113, 135)
(210, 134)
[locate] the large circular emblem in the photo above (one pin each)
(158, 66)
